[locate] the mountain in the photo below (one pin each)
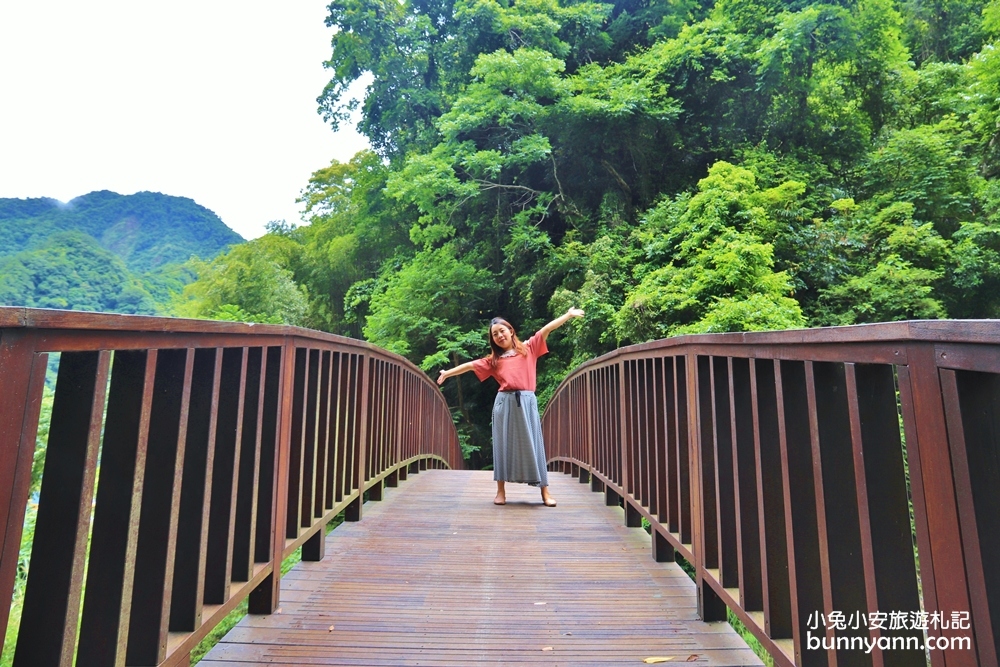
(104, 251)
(146, 230)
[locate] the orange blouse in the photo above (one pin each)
(515, 373)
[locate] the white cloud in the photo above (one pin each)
(211, 99)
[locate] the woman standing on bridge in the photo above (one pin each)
(518, 449)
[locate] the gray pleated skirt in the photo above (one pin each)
(518, 448)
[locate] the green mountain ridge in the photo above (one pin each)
(146, 229)
(104, 251)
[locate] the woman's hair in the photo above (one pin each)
(519, 347)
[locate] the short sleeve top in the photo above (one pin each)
(517, 372)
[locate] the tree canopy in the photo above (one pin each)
(670, 167)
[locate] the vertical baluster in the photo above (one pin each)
(672, 501)
(322, 438)
(886, 542)
(632, 390)
(796, 421)
(686, 434)
(351, 399)
(196, 489)
(699, 388)
(658, 479)
(377, 408)
(245, 520)
(359, 444)
(398, 421)
(708, 543)
(343, 422)
(644, 435)
(333, 434)
(161, 493)
(745, 481)
(614, 408)
(293, 507)
(822, 535)
(840, 492)
(770, 497)
(309, 442)
(725, 498)
(589, 417)
(105, 618)
(51, 608)
(225, 476)
(272, 494)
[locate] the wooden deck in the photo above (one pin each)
(435, 574)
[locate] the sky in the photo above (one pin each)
(214, 100)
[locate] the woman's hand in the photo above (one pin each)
(575, 312)
(443, 376)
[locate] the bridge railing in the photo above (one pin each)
(185, 460)
(810, 474)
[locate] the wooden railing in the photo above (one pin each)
(803, 474)
(185, 460)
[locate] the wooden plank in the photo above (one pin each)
(55, 584)
(429, 577)
(19, 414)
(196, 486)
(157, 540)
(108, 598)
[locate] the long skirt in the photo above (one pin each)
(518, 449)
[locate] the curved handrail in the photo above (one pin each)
(786, 467)
(195, 455)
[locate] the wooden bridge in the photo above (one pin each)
(838, 490)
(438, 575)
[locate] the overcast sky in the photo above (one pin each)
(209, 99)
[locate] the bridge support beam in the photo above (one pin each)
(710, 605)
(314, 549)
(584, 476)
(353, 511)
(596, 485)
(375, 491)
(611, 497)
(632, 517)
(663, 551)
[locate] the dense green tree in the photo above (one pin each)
(670, 167)
(71, 271)
(250, 282)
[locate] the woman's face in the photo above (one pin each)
(502, 336)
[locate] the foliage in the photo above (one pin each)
(71, 271)
(670, 167)
(250, 284)
(104, 251)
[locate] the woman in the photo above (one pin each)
(518, 449)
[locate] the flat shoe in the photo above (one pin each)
(549, 503)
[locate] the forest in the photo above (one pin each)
(669, 166)
(105, 251)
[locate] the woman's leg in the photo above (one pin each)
(547, 498)
(501, 498)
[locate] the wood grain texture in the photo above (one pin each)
(437, 575)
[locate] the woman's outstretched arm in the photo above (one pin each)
(559, 321)
(457, 370)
